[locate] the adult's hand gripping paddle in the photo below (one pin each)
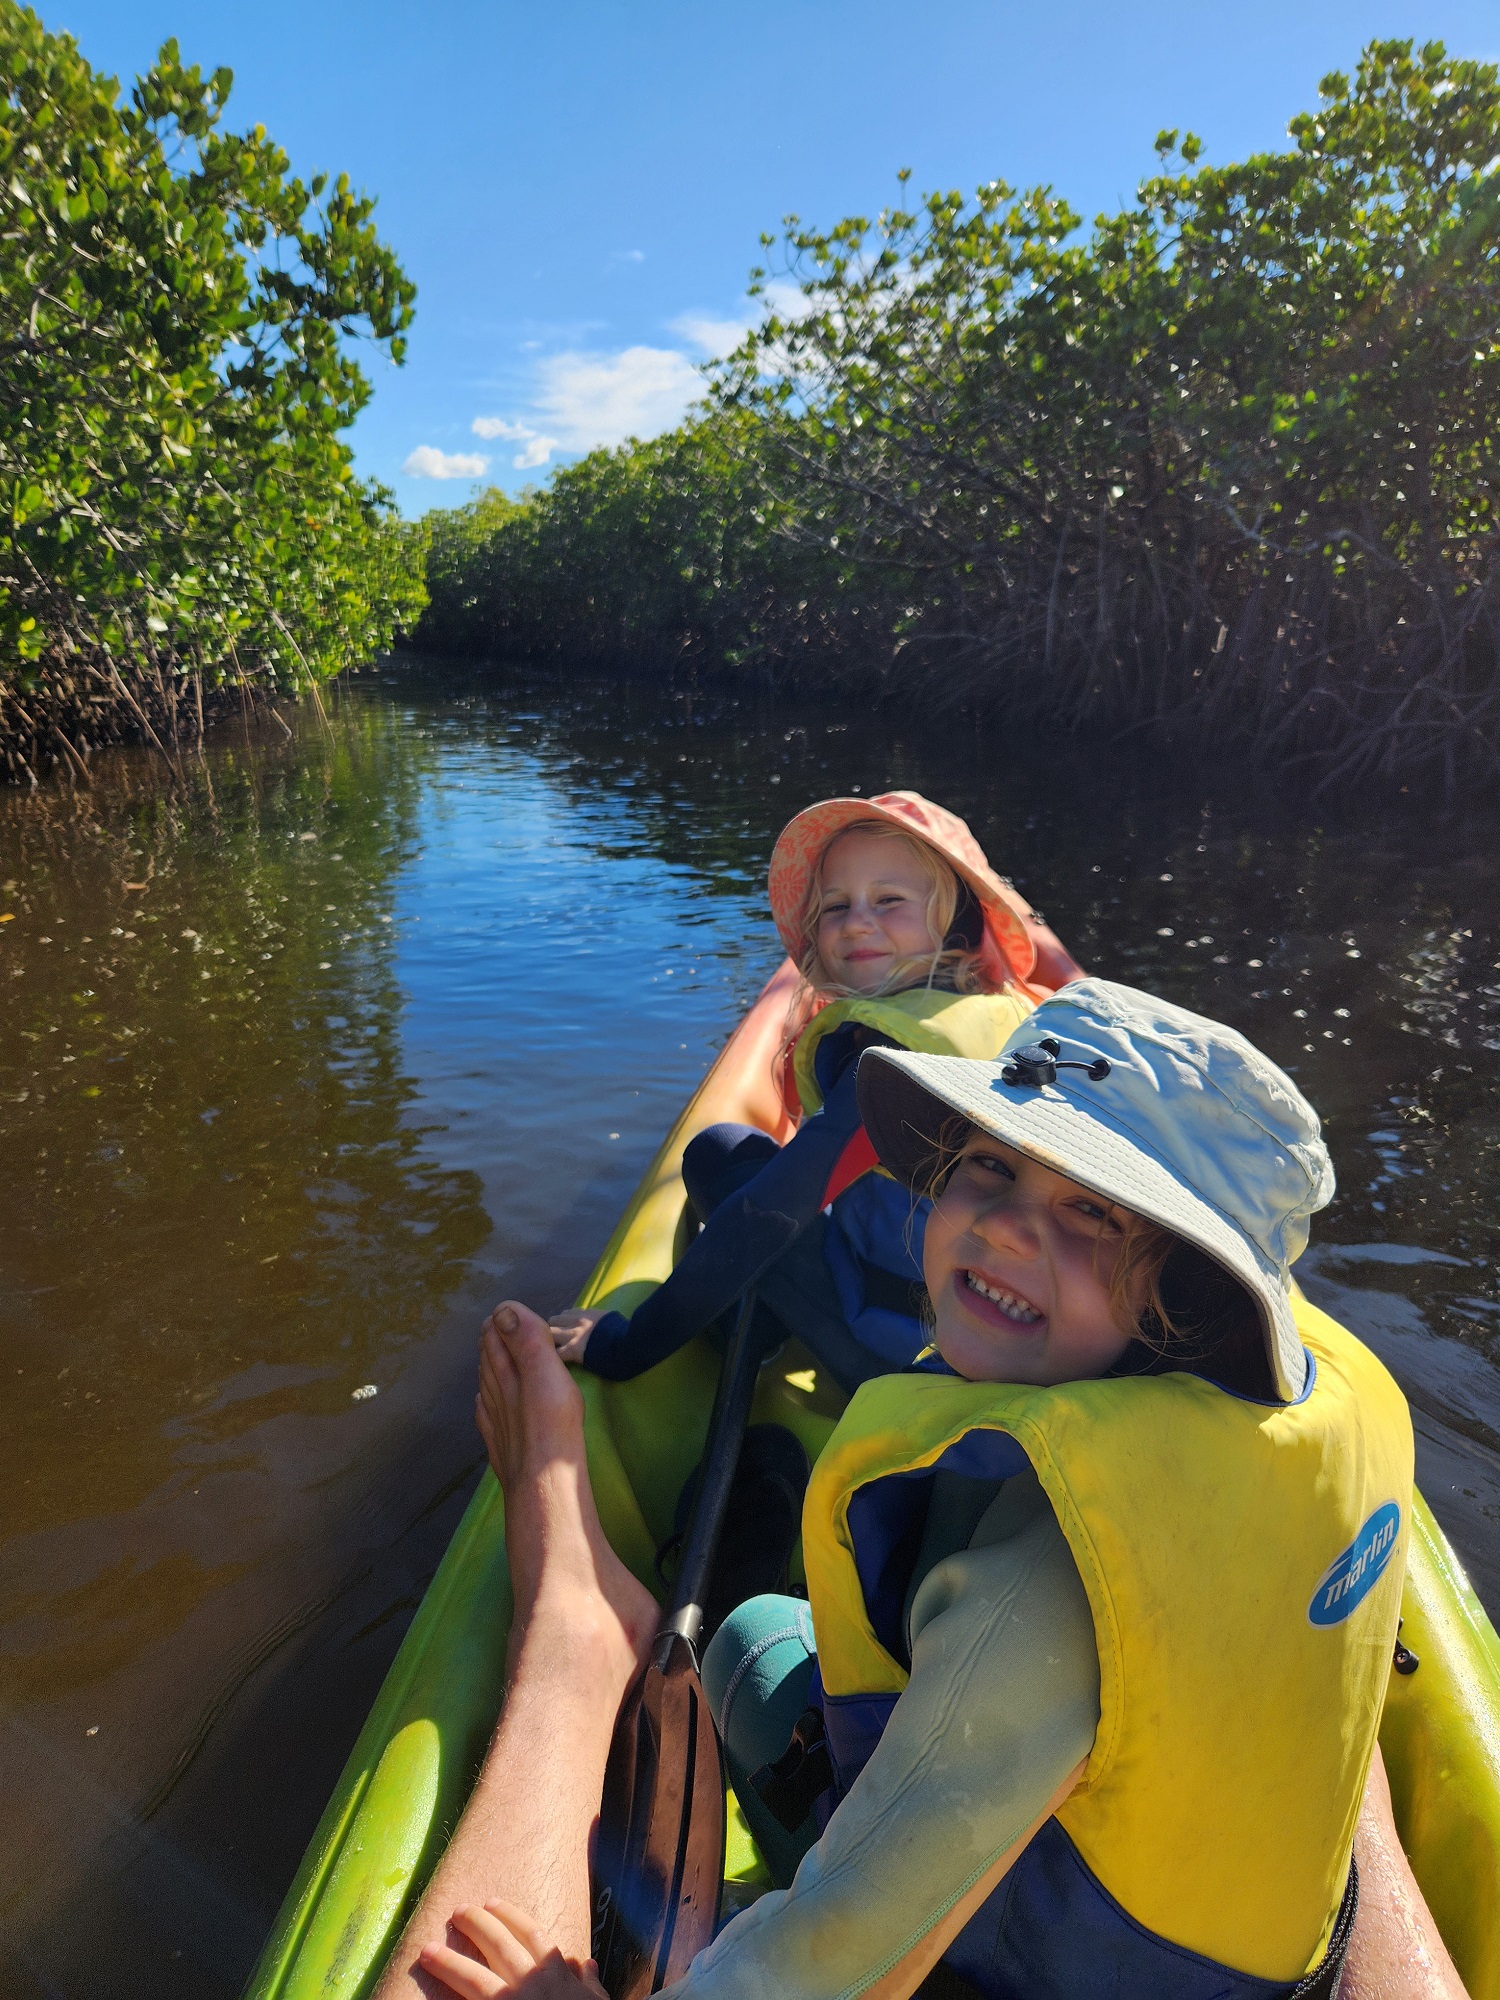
(659, 1856)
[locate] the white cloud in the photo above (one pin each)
(627, 256)
(712, 337)
(536, 449)
(602, 399)
(427, 462)
(717, 335)
(584, 398)
(787, 299)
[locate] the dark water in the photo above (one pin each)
(302, 1067)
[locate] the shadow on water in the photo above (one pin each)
(302, 1068)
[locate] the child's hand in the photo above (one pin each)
(516, 1958)
(571, 1330)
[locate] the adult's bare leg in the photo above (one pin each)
(581, 1629)
(1396, 1952)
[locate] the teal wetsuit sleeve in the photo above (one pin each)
(1002, 1705)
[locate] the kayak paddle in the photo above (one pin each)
(659, 1856)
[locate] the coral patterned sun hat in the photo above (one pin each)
(803, 841)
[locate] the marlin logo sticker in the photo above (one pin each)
(1351, 1577)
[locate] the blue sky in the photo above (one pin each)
(578, 186)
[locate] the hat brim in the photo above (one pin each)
(910, 1105)
(805, 839)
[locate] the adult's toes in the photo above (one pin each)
(519, 1327)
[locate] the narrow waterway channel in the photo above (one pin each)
(304, 1063)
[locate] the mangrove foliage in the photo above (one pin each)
(177, 312)
(1221, 467)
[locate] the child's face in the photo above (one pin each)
(875, 895)
(1018, 1262)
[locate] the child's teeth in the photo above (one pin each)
(1007, 1301)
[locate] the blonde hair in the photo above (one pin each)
(961, 969)
(1144, 1250)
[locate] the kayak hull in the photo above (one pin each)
(1440, 1737)
(410, 1772)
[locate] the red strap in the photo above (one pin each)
(857, 1158)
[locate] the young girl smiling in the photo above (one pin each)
(1103, 1609)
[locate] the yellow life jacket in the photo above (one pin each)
(928, 1021)
(1243, 1564)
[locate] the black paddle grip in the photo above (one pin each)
(721, 1456)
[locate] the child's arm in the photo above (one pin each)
(738, 1242)
(992, 1733)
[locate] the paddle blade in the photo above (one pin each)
(659, 1856)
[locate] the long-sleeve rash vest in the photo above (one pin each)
(1002, 1705)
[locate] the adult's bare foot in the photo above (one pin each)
(580, 1630)
(570, 1587)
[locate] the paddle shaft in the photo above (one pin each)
(659, 1857)
(721, 1456)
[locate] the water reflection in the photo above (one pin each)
(221, 1223)
(204, 1100)
(300, 1067)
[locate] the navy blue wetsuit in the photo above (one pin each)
(848, 1284)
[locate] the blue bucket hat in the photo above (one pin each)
(1166, 1112)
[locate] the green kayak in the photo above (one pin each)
(407, 1779)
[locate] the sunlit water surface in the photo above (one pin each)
(303, 1064)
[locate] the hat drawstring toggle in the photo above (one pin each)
(1037, 1064)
